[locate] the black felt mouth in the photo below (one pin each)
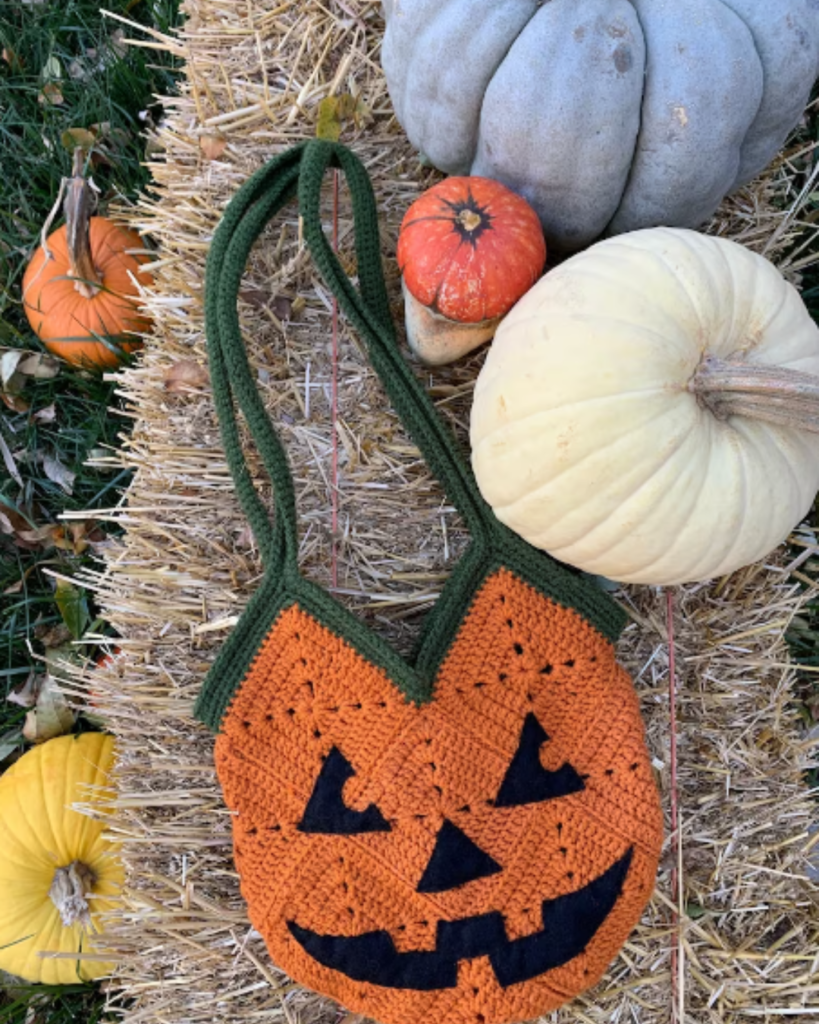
(569, 924)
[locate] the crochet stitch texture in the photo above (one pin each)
(469, 836)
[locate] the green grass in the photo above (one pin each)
(66, 51)
(82, 423)
(63, 1004)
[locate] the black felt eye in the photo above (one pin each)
(526, 780)
(326, 811)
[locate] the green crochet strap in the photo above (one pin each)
(303, 168)
(300, 171)
(369, 313)
(272, 186)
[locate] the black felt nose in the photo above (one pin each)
(455, 860)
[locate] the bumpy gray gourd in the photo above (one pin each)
(607, 115)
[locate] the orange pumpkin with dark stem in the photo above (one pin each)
(469, 248)
(78, 292)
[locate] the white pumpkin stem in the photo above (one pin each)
(789, 398)
(68, 892)
(80, 202)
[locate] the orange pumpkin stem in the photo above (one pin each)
(470, 219)
(68, 892)
(775, 394)
(79, 205)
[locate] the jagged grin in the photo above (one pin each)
(569, 924)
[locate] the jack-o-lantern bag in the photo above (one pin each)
(465, 836)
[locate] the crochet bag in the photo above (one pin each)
(465, 836)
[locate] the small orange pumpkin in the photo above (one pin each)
(78, 292)
(468, 249)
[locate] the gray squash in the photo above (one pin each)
(607, 115)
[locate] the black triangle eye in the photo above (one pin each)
(526, 780)
(326, 811)
(455, 860)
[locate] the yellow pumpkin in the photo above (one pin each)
(57, 872)
(648, 411)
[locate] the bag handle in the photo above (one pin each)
(300, 170)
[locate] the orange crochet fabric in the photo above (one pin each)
(419, 863)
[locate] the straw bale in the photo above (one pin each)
(174, 583)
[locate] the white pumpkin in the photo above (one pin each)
(647, 412)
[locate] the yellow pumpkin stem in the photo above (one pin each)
(80, 202)
(775, 394)
(68, 892)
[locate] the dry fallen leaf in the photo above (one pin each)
(283, 307)
(108, 143)
(256, 297)
(11, 58)
(185, 377)
(73, 137)
(9, 361)
(20, 528)
(52, 70)
(117, 43)
(51, 716)
(50, 93)
(328, 124)
(212, 146)
(78, 71)
(39, 365)
(45, 415)
(53, 637)
(15, 365)
(335, 111)
(14, 402)
(58, 473)
(77, 536)
(26, 695)
(20, 525)
(245, 538)
(153, 145)
(18, 585)
(41, 536)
